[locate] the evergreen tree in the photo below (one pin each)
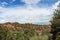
(56, 25)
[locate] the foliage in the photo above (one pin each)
(22, 32)
(56, 25)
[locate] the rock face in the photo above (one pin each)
(9, 26)
(17, 26)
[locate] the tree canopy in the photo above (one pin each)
(55, 24)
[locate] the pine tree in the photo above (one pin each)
(55, 24)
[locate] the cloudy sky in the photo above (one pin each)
(27, 11)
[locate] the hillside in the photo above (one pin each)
(27, 29)
(18, 26)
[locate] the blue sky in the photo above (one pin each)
(21, 3)
(27, 11)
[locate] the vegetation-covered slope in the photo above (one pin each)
(17, 31)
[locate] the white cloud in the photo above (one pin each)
(2, 21)
(3, 4)
(25, 15)
(56, 4)
(31, 1)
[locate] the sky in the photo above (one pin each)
(27, 11)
